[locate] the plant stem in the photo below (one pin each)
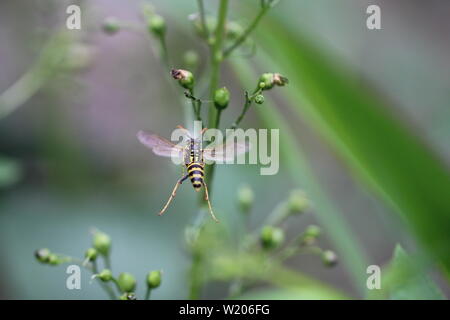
(164, 51)
(148, 293)
(248, 102)
(216, 60)
(195, 277)
(201, 10)
(196, 104)
(105, 286)
(107, 261)
(247, 31)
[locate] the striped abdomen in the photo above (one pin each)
(195, 172)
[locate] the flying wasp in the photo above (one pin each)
(193, 156)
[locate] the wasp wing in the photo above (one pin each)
(225, 152)
(159, 145)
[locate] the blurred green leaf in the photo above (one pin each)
(287, 294)
(405, 279)
(254, 267)
(377, 146)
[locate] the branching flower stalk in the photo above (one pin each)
(124, 285)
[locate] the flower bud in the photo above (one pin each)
(154, 279)
(126, 282)
(297, 202)
(128, 296)
(111, 25)
(221, 98)
(271, 237)
(245, 198)
(105, 275)
(268, 80)
(191, 59)
(101, 242)
(259, 99)
(310, 235)
(157, 25)
(91, 254)
(312, 231)
(54, 260)
(42, 255)
(234, 30)
(184, 77)
(279, 80)
(329, 258)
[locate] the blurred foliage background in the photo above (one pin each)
(364, 129)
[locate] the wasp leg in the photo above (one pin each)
(209, 203)
(173, 194)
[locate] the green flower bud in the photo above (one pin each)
(105, 275)
(211, 23)
(234, 30)
(154, 279)
(312, 231)
(126, 282)
(221, 98)
(157, 25)
(245, 198)
(111, 25)
(329, 258)
(101, 242)
(53, 259)
(128, 296)
(297, 202)
(191, 59)
(268, 80)
(184, 77)
(91, 254)
(259, 99)
(42, 255)
(271, 237)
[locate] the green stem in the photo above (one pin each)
(107, 261)
(248, 102)
(201, 10)
(247, 31)
(219, 113)
(104, 286)
(217, 57)
(148, 293)
(195, 277)
(164, 51)
(196, 104)
(216, 60)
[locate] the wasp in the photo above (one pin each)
(193, 156)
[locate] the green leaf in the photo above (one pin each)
(405, 279)
(287, 294)
(376, 145)
(254, 267)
